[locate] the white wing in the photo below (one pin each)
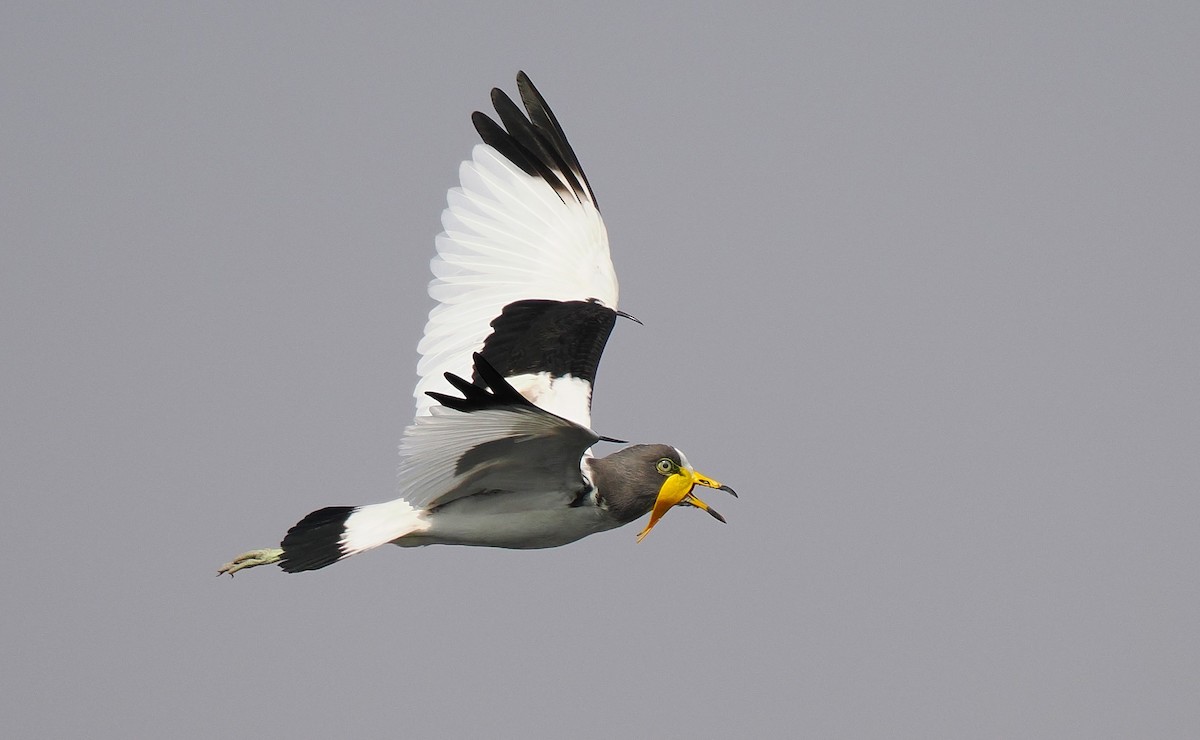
(523, 224)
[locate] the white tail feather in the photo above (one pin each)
(378, 524)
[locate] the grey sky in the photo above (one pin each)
(920, 282)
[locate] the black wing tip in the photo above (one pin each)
(495, 391)
(530, 94)
(488, 130)
(499, 98)
(315, 541)
(515, 150)
(534, 141)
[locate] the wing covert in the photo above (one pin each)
(489, 441)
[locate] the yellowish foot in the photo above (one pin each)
(251, 559)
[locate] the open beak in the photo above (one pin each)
(677, 491)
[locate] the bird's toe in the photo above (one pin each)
(251, 559)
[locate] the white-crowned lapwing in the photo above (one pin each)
(527, 298)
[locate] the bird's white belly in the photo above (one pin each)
(518, 521)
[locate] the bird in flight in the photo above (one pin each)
(499, 453)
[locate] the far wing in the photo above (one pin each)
(523, 272)
(489, 441)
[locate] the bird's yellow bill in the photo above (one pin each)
(677, 489)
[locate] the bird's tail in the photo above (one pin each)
(337, 532)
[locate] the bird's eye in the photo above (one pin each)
(665, 466)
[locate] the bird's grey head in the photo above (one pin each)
(650, 478)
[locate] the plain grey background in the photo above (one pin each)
(919, 280)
